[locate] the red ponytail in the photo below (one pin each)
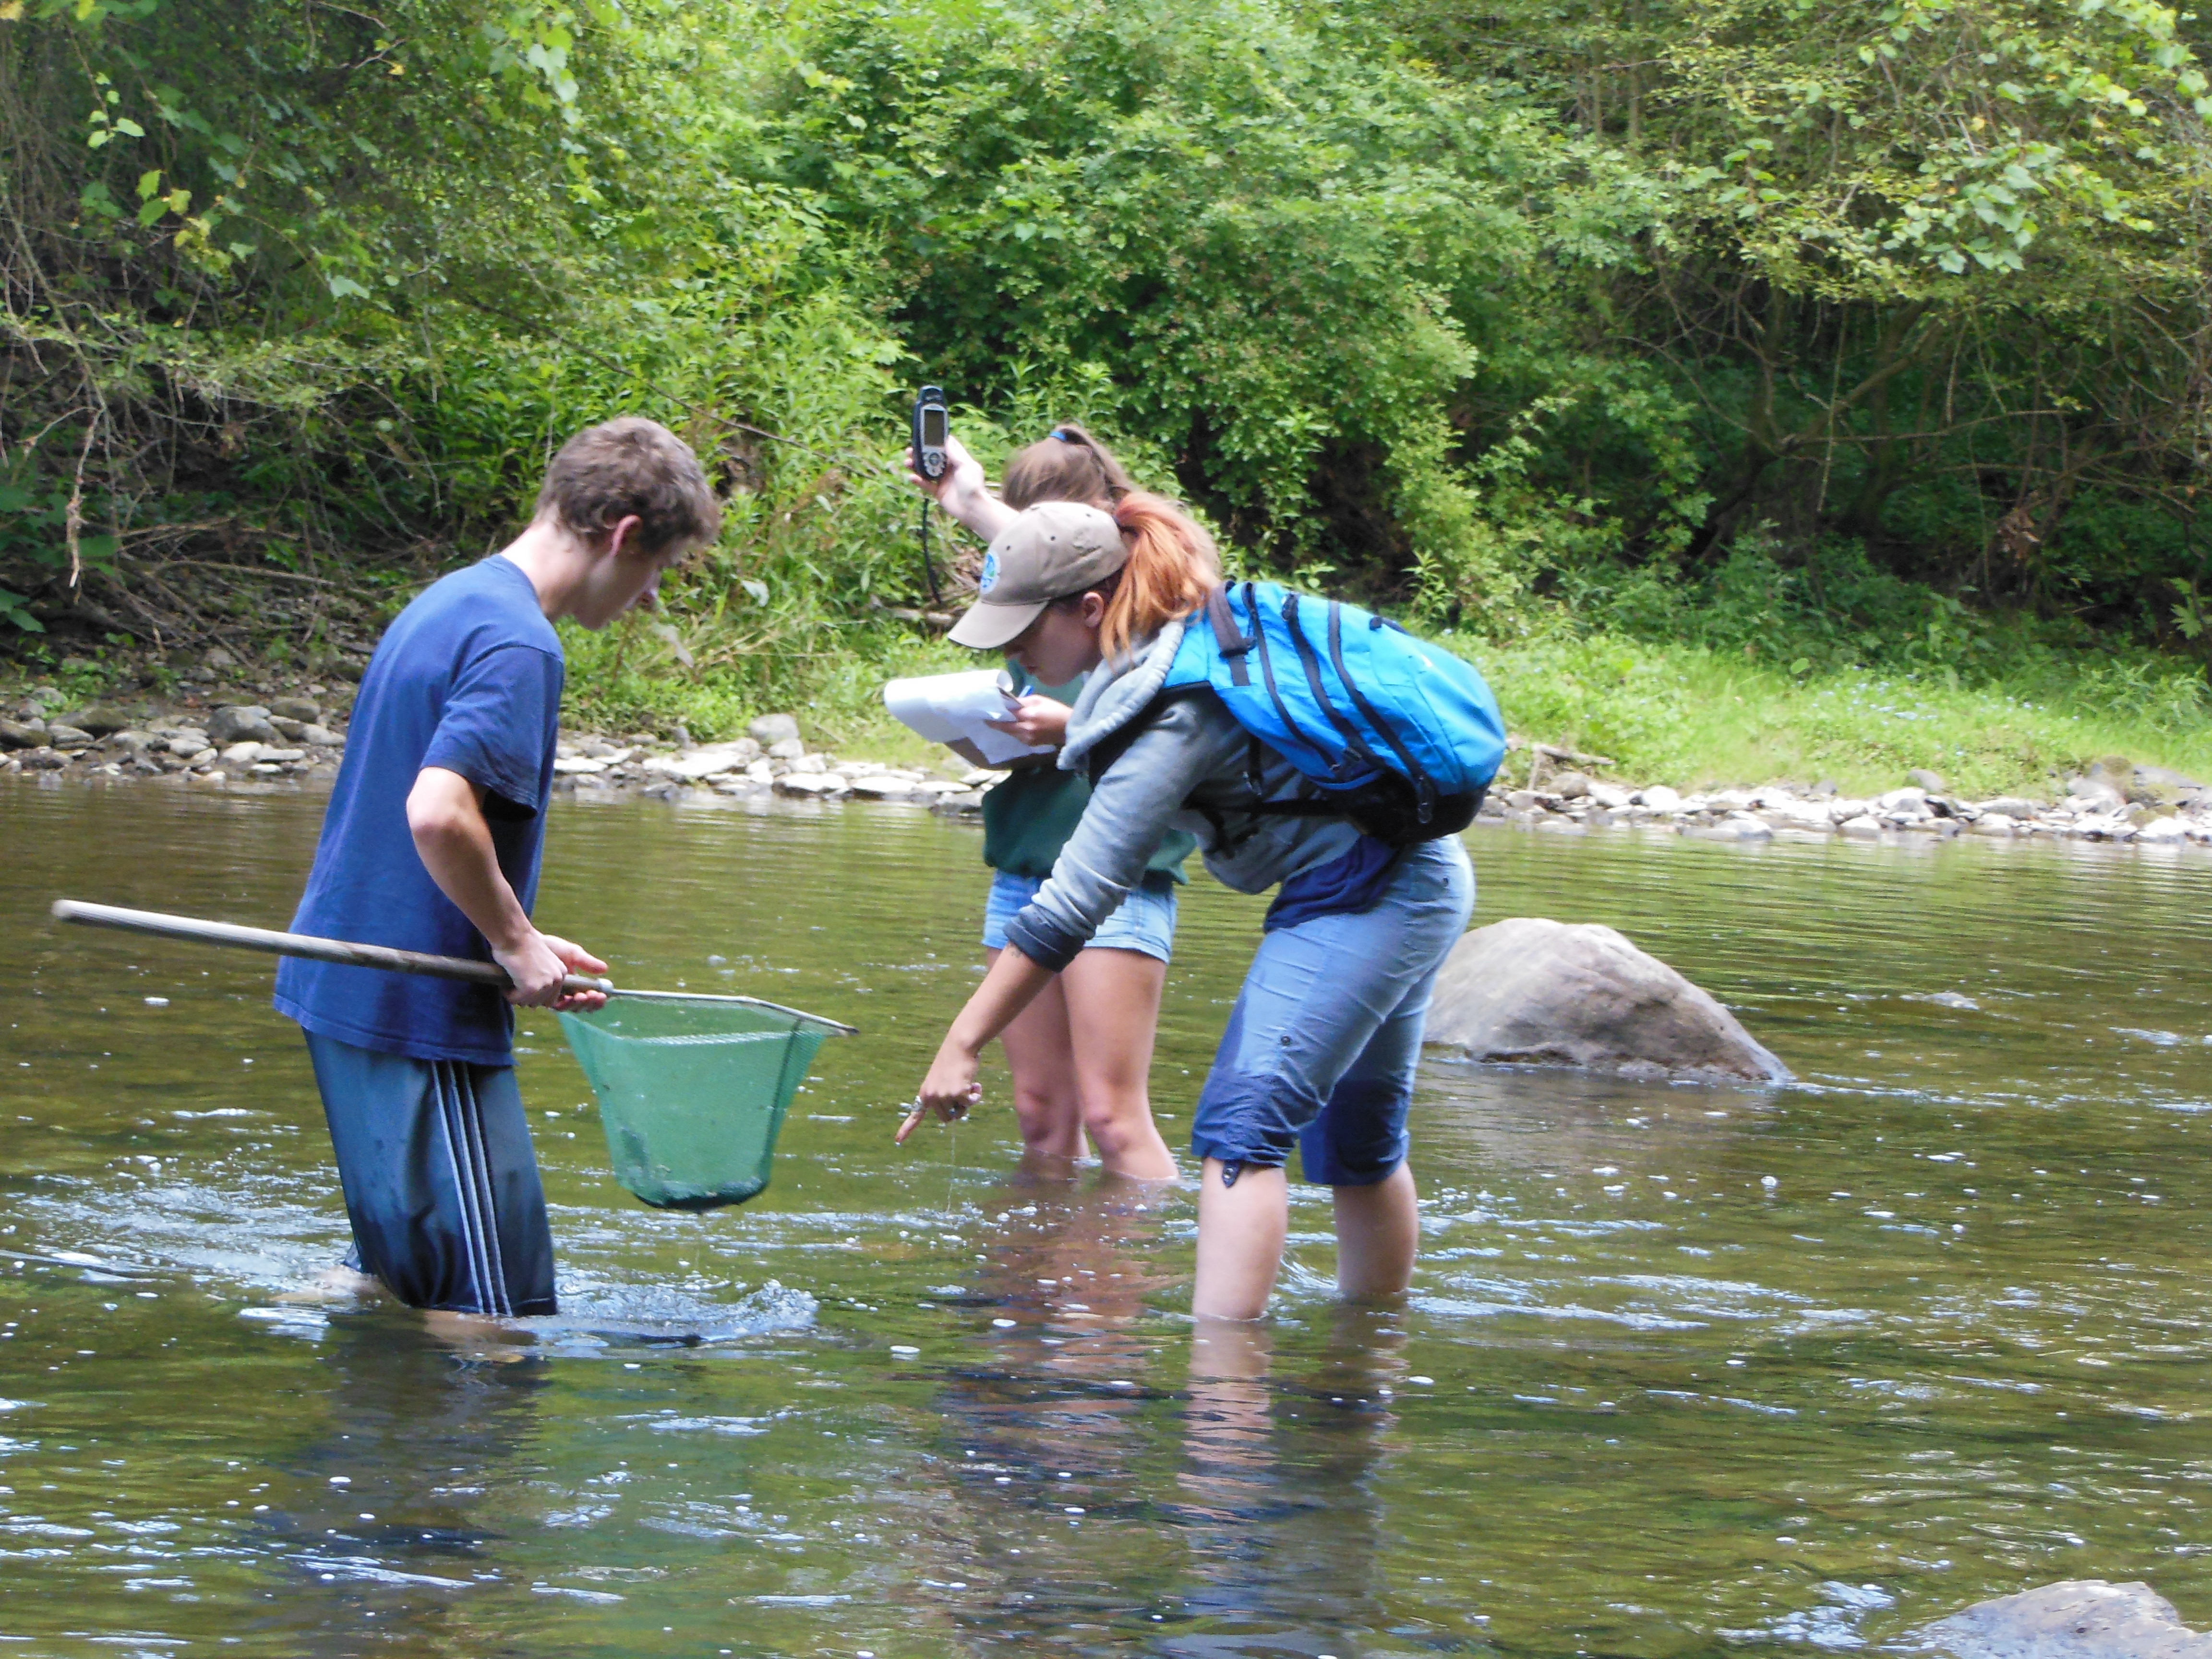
(1172, 566)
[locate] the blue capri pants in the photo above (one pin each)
(1326, 1036)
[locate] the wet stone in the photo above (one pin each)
(240, 723)
(1532, 989)
(2076, 1619)
(99, 720)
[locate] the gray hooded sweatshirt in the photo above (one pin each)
(1188, 768)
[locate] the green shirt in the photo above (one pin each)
(1028, 819)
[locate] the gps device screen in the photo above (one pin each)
(933, 426)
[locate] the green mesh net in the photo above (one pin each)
(692, 1094)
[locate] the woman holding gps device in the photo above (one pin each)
(1321, 1047)
(1081, 1053)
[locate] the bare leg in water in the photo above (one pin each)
(1038, 1048)
(1241, 1230)
(1081, 1055)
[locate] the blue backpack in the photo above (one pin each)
(1399, 737)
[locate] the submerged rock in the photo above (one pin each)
(1532, 989)
(2076, 1619)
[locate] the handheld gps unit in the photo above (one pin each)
(932, 427)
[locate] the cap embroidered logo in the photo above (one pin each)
(988, 578)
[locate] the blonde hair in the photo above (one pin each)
(1173, 566)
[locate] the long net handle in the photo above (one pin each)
(344, 952)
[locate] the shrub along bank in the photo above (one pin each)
(1756, 386)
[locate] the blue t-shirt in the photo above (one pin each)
(468, 678)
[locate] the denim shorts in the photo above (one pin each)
(1145, 921)
(1325, 1037)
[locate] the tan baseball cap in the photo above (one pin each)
(1049, 551)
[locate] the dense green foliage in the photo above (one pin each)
(1816, 335)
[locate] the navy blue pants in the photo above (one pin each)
(440, 1183)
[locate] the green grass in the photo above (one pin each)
(1683, 714)
(1690, 716)
(832, 676)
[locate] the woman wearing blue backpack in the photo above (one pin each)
(1322, 1046)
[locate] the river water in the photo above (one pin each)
(1685, 1370)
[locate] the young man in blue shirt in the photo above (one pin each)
(431, 842)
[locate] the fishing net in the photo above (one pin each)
(692, 1094)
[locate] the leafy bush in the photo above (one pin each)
(1812, 338)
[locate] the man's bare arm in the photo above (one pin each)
(445, 814)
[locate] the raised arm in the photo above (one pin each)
(962, 491)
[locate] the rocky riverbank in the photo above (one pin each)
(217, 734)
(770, 759)
(2113, 801)
(213, 736)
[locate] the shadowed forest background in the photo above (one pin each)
(1745, 384)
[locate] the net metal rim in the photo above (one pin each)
(694, 1039)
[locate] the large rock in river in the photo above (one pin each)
(1529, 989)
(2076, 1619)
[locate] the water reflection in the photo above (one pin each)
(1051, 1419)
(1282, 1480)
(390, 1515)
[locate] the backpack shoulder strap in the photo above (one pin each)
(1228, 638)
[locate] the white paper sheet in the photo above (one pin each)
(945, 707)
